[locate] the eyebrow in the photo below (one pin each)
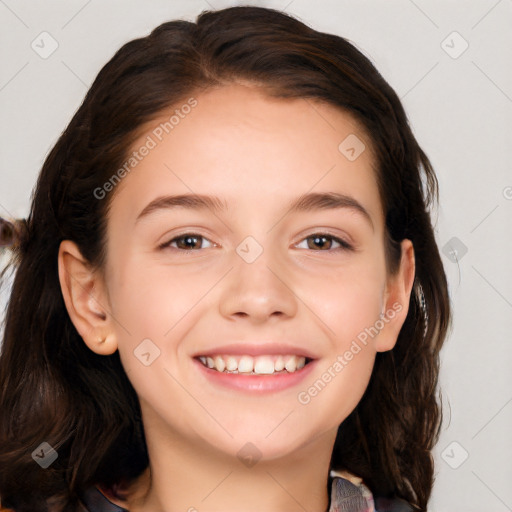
(304, 203)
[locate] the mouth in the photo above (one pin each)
(254, 365)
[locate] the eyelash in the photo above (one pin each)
(345, 246)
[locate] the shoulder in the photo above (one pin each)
(95, 500)
(349, 489)
(91, 500)
(394, 505)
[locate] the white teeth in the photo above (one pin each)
(260, 365)
(231, 364)
(264, 365)
(246, 364)
(291, 364)
(219, 363)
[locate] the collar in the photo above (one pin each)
(349, 493)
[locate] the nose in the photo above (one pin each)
(259, 290)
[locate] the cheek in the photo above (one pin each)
(346, 301)
(153, 315)
(337, 387)
(152, 303)
(156, 307)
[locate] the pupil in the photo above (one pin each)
(189, 240)
(319, 240)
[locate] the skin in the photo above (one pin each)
(256, 153)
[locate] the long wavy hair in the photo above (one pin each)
(54, 389)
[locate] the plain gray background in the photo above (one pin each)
(459, 102)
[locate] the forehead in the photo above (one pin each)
(238, 143)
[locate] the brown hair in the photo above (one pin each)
(54, 389)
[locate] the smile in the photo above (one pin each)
(257, 365)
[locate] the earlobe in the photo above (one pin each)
(84, 295)
(103, 346)
(397, 296)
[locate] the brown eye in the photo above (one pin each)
(185, 242)
(324, 242)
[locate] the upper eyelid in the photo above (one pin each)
(345, 244)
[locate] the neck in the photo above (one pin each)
(192, 476)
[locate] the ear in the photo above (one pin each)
(86, 300)
(396, 299)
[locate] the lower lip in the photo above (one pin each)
(256, 383)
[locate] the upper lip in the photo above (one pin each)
(260, 349)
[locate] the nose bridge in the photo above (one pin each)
(258, 284)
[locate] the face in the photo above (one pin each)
(247, 281)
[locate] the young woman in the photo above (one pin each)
(227, 294)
